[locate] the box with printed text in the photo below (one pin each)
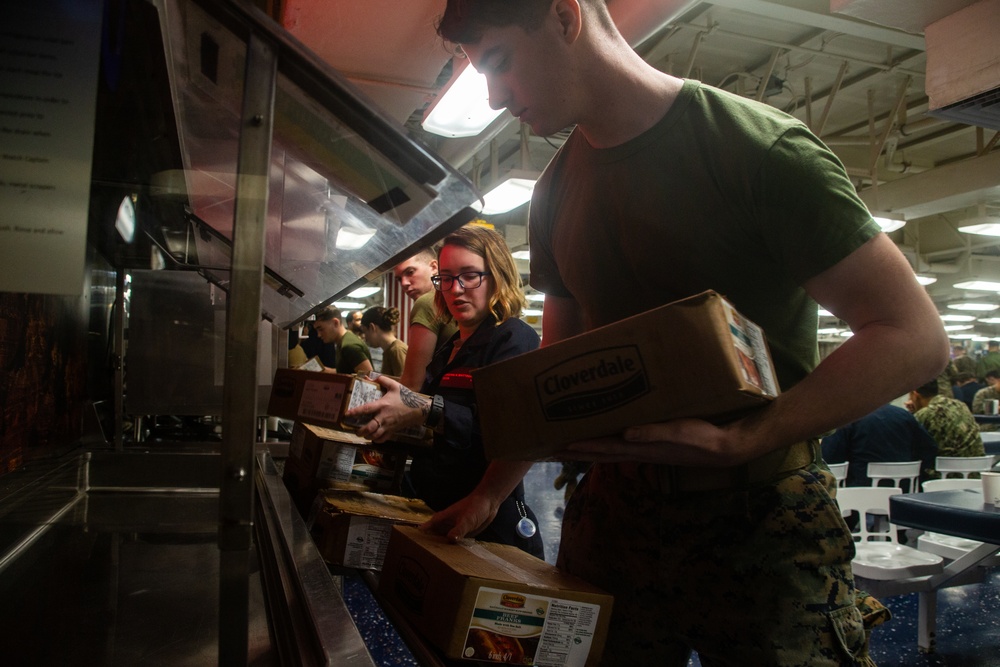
(697, 357)
(493, 602)
(323, 399)
(320, 458)
(352, 528)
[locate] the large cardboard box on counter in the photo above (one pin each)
(493, 602)
(352, 528)
(320, 457)
(697, 357)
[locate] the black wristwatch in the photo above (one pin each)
(435, 412)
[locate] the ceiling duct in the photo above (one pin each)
(982, 110)
(963, 65)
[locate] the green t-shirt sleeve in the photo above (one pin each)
(807, 207)
(423, 313)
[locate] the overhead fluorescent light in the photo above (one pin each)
(960, 318)
(363, 292)
(347, 306)
(829, 331)
(984, 225)
(463, 107)
(823, 312)
(966, 336)
(925, 279)
(972, 305)
(889, 222)
(990, 320)
(535, 297)
(978, 285)
(958, 327)
(512, 191)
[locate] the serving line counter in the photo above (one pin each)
(960, 513)
(111, 558)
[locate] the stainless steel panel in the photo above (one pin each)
(174, 359)
(349, 191)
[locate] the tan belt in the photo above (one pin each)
(688, 479)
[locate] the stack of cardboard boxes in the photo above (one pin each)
(341, 482)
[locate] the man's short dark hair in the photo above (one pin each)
(965, 377)
(464, 21)
(327, 314)
(928, 389)
(993, 373)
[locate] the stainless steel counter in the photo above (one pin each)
(112, 559)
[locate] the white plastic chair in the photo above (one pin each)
(839, 471)
(949, 546)
(963, 465)
(897, 471)
(879, 556)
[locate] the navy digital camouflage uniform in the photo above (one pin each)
(952, 426)
(979, 405)
(988, 362)
(979, 400)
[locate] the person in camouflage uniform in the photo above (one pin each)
(988, 393)
(989, 361)
(948, 420)
(963, 362)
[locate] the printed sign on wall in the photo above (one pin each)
(49, 57)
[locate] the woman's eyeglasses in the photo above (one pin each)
(468, 280)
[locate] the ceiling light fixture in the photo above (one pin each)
(981, 224)
(363, 292)
(462, 109)
(973, 305)
(958, 327)
(977, 285)
(990, 320)
(958, 318)
(889, 222)
(513, 190)
(925, 279)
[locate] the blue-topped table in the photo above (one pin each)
(992, 447)
(987, 419)
(960, 513)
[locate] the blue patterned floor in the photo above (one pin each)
(968, 617)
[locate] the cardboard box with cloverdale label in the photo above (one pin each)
(352, 528)
(697, 357)
(493, 602)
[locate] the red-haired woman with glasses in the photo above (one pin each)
(478, 286)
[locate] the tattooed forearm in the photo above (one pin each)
(412, 399)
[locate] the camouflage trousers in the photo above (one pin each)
(753, 576)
